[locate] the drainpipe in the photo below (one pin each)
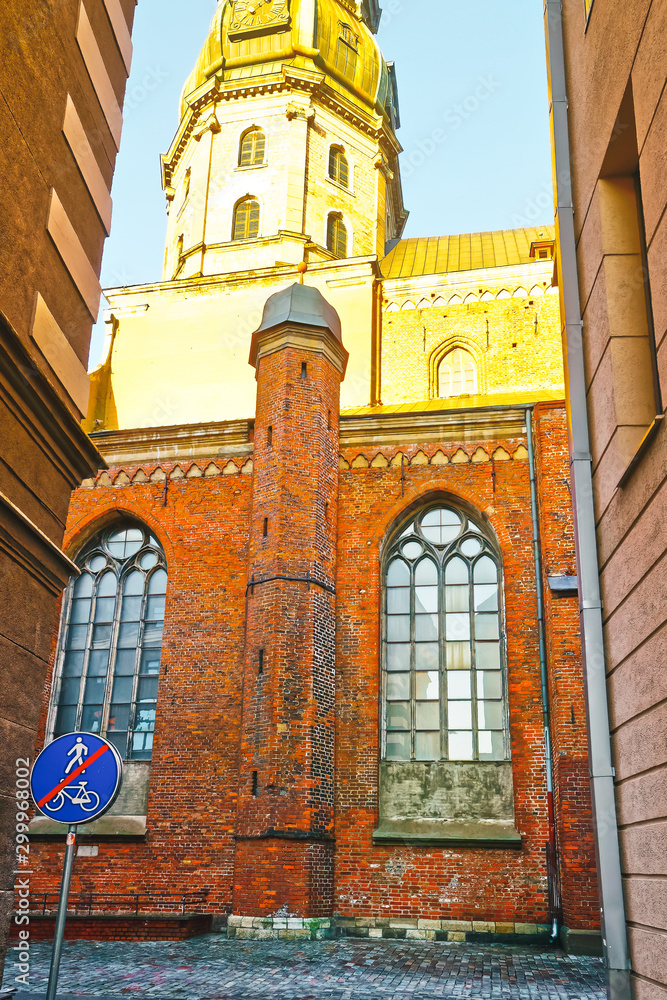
(614, 933)
(539, 587)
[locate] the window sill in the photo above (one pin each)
(641, 450)
(340, 187)
(106, 826)
(252, 166)
(454, 833)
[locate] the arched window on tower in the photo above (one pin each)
(253, 148)
(339, 168)
(443, 671)
(111, 641)
(336, 235)
(457, 374)
(246, 219)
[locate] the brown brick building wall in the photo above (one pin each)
(199, 801)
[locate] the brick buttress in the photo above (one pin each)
(285, 821)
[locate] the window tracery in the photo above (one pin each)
(111, 641)
(457, 374)
(443, 676)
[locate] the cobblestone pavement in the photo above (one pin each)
(213, 968)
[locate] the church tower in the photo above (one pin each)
(286, 149)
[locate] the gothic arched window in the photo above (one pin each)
(443, 676)
(246, 220)
(111, 641)
(336, 235)
(457, 374)
(339, 168)
(253, 148)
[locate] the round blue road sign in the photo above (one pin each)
(76, 778)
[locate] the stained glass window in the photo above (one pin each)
(444, 685)
(111, 642)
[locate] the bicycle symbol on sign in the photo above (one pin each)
(88, 800)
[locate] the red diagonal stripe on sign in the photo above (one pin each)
(70, 777)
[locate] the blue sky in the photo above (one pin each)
(474, 112)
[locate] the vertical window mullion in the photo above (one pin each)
(104, 725)
(413, 667)
(137, 670)
(473, 664)
(88, 650)
(442, 658)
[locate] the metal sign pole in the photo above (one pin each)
(62, 915)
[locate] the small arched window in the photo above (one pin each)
(246, 220)
(253, 148)
(111, 641)
(336, 235)
(457, 374)
(443, 677)
(339, 168)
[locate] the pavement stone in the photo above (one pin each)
(214, 968)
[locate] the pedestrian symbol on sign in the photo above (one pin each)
(80, 750)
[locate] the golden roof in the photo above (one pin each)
(490, 401)
(467, 252)
(312, 40)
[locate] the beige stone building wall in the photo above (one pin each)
(292, 187)
(63, 74)
(616, 71)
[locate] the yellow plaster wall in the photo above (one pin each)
(180, 353)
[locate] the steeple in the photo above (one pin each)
(286, 149)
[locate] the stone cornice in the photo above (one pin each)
(35, 404)
(370, 266)
(181, 442)
(300, 338)
(27, 545)
(484, 424)
(290, 80)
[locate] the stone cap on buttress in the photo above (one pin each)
(299, 307)
(300, 304)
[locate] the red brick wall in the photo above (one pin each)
(196, 785)
(192, 804)
(489, 884)
(566, 691)
(117, 928)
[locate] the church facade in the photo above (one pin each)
(327, 605)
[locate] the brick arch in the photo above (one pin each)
(443, 349)
(103, 515)
(428, 496)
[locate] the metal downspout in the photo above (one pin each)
(614, 932)
(539, 588)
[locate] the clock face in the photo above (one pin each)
(249, 16)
